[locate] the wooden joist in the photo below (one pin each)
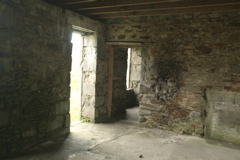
(196, 9)
(161, 6)
(113, 3)
(102, 9)
(74, 2)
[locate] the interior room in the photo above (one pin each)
(120, 79)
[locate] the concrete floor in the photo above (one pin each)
(125, 140)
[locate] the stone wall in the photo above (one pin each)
(89, 66)
(101, 91)
(35, 64)
(223, 121)
(135, 71)
(133, 90)
(182, 56)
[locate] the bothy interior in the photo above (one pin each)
(188, 81)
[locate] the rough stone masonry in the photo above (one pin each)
(35, 64)
(182, 56)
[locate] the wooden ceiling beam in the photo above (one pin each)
(157, 6)
(196, 9)
(112, 3)
(69, 2)
(59, 2)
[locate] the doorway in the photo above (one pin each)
(124, 81)
(133, 83)
(133, 77)
(83, 75)
(76, 78)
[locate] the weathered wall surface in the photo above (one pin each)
(35, 64)
(223, 120)
(133, 91)
(182, 56)
(135, 71)
(89, 66)
(101, 91)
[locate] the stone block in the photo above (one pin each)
(42, 127)
(100, 100)
(144, 112)
(136, 56)
(220, 95)
(56, 123)
(63, 132)
(237, 100)
(62, 107)
(67, 120)
(6, 21)
(222, 121)
(13, 143)
(88, 107)
(90, 41)
(88, 113)
(3, 150)
(5, 66)
(199, 130)
(135, 73)
(183, 127)
(142, 119)
(88, 89)
(89, 77)
(219, 105)
(89, 56)
(103, 110)
(4, 118)
(29, 132)
(233, 37)
(195, 117)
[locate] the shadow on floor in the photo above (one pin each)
(131, 115)
(125, 140)
(50, 146)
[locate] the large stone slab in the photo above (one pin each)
(223, 120)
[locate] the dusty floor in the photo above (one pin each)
(124, 140)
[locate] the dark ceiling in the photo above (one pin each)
(102, 9)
